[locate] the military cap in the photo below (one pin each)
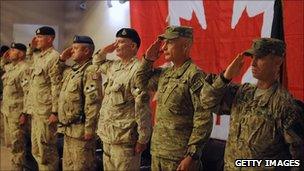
(18, 46)
(129, 33)
(83, 39)
(45, 30)
(173, 32)
(264, 46)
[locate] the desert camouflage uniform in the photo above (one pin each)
(124, 115)
(44, 90)
(15, 89)
(78, 107)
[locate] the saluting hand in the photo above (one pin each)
(66, 54)
(235, 67)
(153, 52)
(6, 54)
(33, 44)
(110, 48)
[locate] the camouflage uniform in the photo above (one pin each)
(15, 81)
(124, 115)
(44, 90)
(264, 126)
(181, 128)
(78, 106)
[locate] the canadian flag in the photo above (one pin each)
(222, 29)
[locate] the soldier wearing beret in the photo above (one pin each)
(124, 123)
(44, 90)
(264, 121)
(3, 49)
(181, 127)
(78, 106)
(15, 89)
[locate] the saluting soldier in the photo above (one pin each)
(264, 120)
(15, 89)
(181, 127)
(45, 84)
(79, 103)
(124, 123)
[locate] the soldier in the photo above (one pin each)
(15, 81)
(44, 90)
(181, 128)
(124, 122)
(78, 106)
(3, 49)
(264, 123)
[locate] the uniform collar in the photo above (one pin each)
(79, 67)
(128, 66)
(264, 99)
(180, 70)
(46, 52)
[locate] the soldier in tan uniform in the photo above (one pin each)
(78, 106)
(264, 121)
(42, 105)
(181, 127)
(124, 123)
(15, 81)
(3, 137)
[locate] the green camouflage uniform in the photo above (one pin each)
(262, 126)
(181, 127)
(44, 91)
(78, 107)
(15, 89)
(124, 115)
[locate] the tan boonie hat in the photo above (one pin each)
(173, 32)
(264, 46)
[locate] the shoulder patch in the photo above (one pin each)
(197, 85)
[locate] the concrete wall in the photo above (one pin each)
(96, 20)
(31, 12)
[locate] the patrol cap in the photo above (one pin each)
(18, 46)
(264, 46)
(83, 39)
(173, 32)
(45, 30)
(129, 33)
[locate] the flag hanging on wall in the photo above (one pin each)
(222, 29)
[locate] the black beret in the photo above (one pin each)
(83, 39)
(45, 30)
(18, 46)
(129, 33)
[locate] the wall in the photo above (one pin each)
(31, 12)
(97, 20)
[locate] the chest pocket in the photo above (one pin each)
(116, 94)
(259, 130)
(38, 75)
(176, 96)
(73, 90)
